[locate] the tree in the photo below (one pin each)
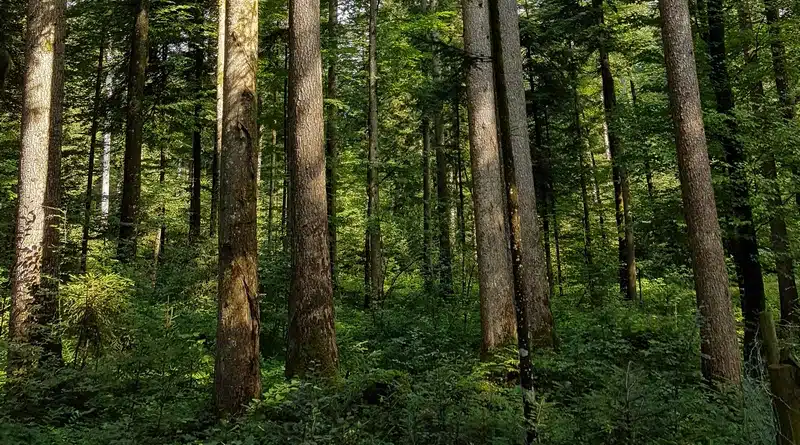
(495, 279)
(237, 378)
(220, 102)
(197, 148)
(131, 182)
(622, 193)
(312, 338)
(719, 355)
(374, 256)
(331, 136)
(34, 287)
(87, 209)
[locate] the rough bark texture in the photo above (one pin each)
(197, 149)
(495, 277)
(87, 203)
(312, 338)
(237, 379)
(514, 141)
(744, 242)
(34, 277)
(131, 179)
(331, 136)
(374, 255)
(622, 194)
(719, 356)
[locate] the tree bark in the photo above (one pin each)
(622, 198)
(495, 276)
(197, 149)
(131, 177)
(331, 136)
(529, 261)
(744, 240)
(220, 123)
(237, 378)
(312, 338)
(374, 257)
(87, 203)
(34, 277)
(719, 357)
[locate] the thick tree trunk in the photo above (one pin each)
(312, 338)
(719, 356)
(622, 199)
(34, 277)
(495, 277)
(197, 149)
(519, 179)
(132, 173)
(744, 241)
(374, 257)
(87, 203)
(427, 235)
(331, 136)
(237, 379)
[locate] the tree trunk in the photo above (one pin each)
(237, 379)
(744, 241)
(598, 198)
(131, 179)
(161, 235)
(331, 141)
(445, 266)
(627, 253)
(495, 277)
(197, 149)
(427, 235)
(87, 203)
(105, 175)
(519, 179)
(219, 128)
(312, 338)
(34, 287)
(458, 178)
(719, 357)
(375, 257)
(271, 191)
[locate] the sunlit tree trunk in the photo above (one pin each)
(105, 174)
(312, 339)
(719, 356)
(132, 172)
(87, 203)
(220, 78)
(237, 379)
(34, 277)
(331, 136)
(495, 277)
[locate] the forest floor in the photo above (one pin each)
(624, 373)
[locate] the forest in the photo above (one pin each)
(240, 222)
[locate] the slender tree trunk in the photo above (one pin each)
(87, 203)
(519, 179)
(459, 180)
(271, 192)
(375, 257)
(105, 181)
(237, 378)
(331, 141)
(427, 241)
(495, 277)
(161, 235)
(744, 241)
(445, 267)
(197, 149)
(627, 254)
(719, 357)
(34, 277)
(132, 174)
(312, 338)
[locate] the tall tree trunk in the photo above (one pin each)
(374, 257)
(445, 266)
(427, 235)
(312, 338)
(744, 241)
(495, 277)
(237, 379)
(161, 235)
(132, 174)
(34, 277)
(197, 149)
(105, 175)
(87, 203)
(271, 191)
(622, 198)
(331, 141)
(220, 123)
(459, 180)
(519, 172)
(719, 357)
